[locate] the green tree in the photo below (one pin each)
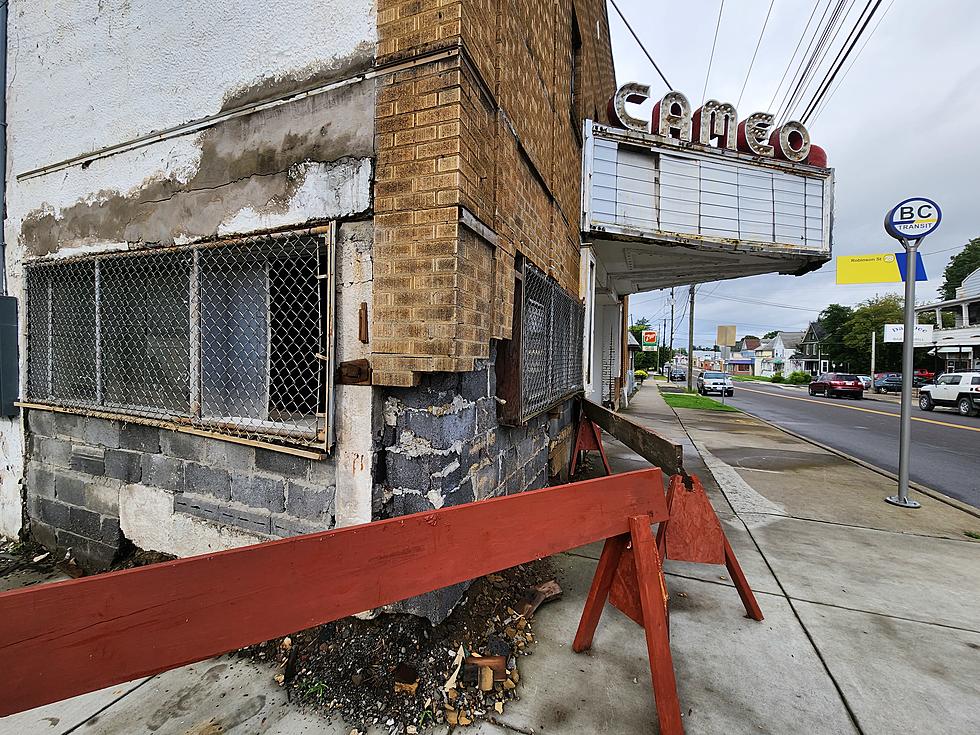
(833, 320)
(959, 267)
(929, 317)
(871, 316)
(770, 335)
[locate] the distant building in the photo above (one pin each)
(958, 347)
(809, 355)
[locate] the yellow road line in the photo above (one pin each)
(866, 410)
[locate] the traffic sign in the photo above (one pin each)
(877, 268)
(913, 219)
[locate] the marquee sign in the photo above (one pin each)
(716, 123)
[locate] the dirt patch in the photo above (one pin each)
(349, 669)
(26, 563)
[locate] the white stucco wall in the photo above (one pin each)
(87, 74)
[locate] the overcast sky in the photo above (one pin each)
(905, 121)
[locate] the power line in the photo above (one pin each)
(754, 53)
(789, 64)
(827, 46)
(711, 58)
(808, 68)
(640, 43)
(759, 302)
(790, 90)
(840, 82)
(822, 91)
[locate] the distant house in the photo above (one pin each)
(809, 354)
(958, 347)
(776, 355)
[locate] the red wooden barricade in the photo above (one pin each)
(66, 638)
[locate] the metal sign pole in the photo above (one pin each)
(908, 353)
(909, 222)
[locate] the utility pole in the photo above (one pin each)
(672, 319)
(663, 357)
(874, 339)
(690, 341)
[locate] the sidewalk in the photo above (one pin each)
(871, 626)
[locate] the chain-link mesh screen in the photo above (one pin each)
(227, 337)
(551, 359)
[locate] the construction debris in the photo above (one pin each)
(400, 675)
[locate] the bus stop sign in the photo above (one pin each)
(913, 219)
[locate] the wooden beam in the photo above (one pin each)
(656, 449)
(66, 638)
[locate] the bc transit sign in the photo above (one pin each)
(913, 219)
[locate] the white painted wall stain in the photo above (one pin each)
(85, 74)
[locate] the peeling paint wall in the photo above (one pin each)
(91, 74)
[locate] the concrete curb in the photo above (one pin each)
(934, 494)
(927, 491)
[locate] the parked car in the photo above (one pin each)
(925, 375)
(715, 382)
(837, 384)
(893, 383)
(890, 383)
(677, 373)
(866, 381)
(956, 390)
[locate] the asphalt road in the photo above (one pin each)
(945, 446)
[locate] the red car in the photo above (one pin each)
(837, 384)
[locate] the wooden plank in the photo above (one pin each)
(656, 449)
(653, 600)
(66, 638)
(612, 551)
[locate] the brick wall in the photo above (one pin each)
(485, 131)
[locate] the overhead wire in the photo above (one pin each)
(806, 53)
(825, 49)
(711, 58)
(823, 105)
(799, 43)
(755, 53)
(640, 43)
(807, 68)
(839, 62)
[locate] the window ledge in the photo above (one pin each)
(130, 419)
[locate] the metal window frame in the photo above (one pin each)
(562, 343)
(277, 437)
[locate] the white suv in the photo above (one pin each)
(956, 390)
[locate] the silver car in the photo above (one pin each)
(715, 382)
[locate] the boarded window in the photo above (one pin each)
(230, 337)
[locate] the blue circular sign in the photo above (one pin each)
(913, 219)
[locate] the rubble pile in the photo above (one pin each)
(401, 675)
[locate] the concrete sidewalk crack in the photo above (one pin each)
(789, 600)
(99, 711)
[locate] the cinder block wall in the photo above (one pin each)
(84, 474)
(442, 446)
